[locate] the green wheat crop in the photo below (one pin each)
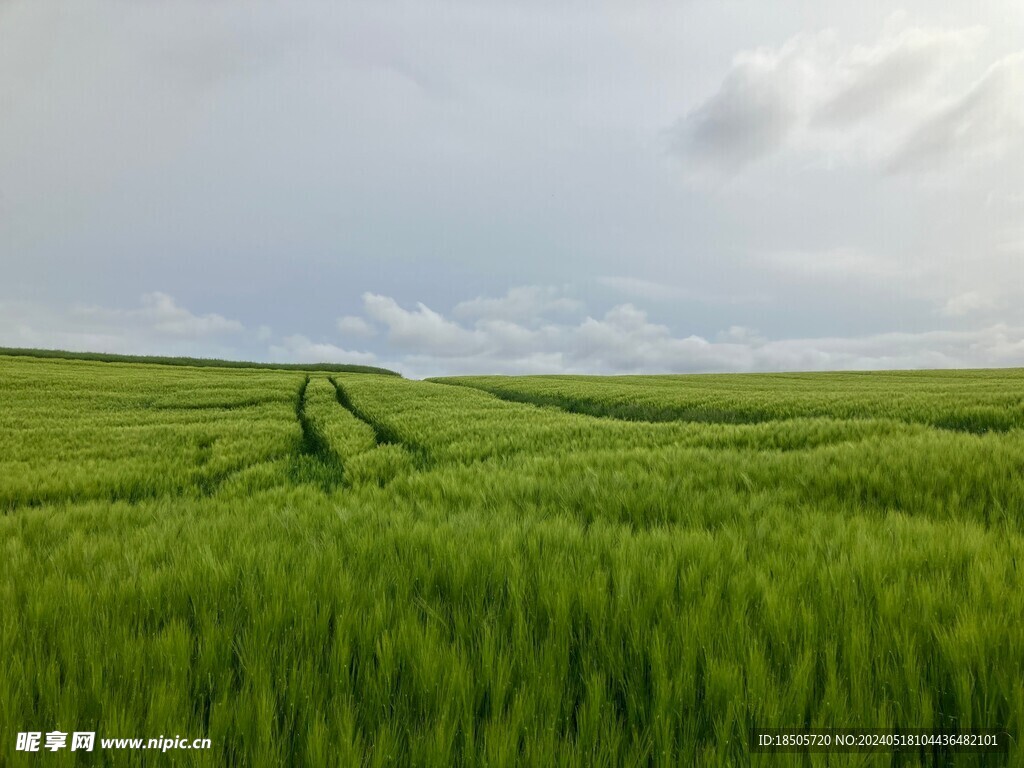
(330, 568)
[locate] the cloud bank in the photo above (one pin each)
(562, 338)
(624, 339)
(159, 325)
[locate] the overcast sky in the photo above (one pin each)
(464, 187)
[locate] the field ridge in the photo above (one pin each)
(619, 404)
(191, 362)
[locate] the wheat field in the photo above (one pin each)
(320, 567)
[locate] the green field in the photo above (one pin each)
(333, 568)
(192, 362)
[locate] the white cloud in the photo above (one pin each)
(421, 330)
(902, 67)
(168, 317)
(738, 334)
(957, 283)
(525, 304)
(25, 324)
(423, 342)
(158, 326)
(884, 104)
(968, 303)
(841, 264)
(642, 289)
(997, 345)
(160, 313)
(625, 340)
(651, 291)
(983, 125)
(299, 349)
(351, 325)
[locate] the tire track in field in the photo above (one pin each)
(382, 433)
(314, 460)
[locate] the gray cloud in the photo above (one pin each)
(815, 94)
(752, 115)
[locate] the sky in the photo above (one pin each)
(516, 187)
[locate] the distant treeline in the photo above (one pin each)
(196, 362)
